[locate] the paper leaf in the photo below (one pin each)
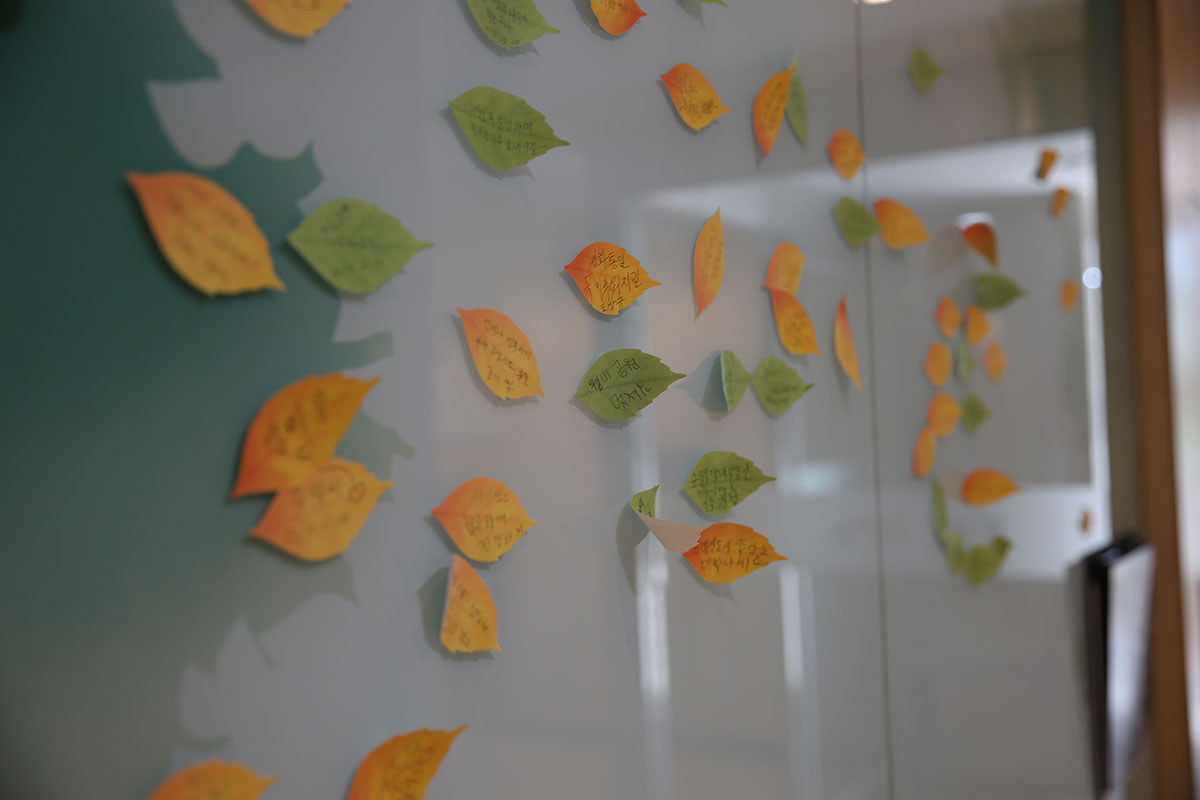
(734, 380)
(708, 262)
(856, 223)
(721, 479)
(714, 2)
(296, 431)
(213, 780)
(207, 236)
(947, 317)
(983, 563)
(469, 617)
(995, 361)
(301, 19)
(353, 245)
(622, 382)
(505, 131)
(1085, 521)
(643, 502)
(942, 414)
(941, 517)
(956, 552)
(1068, 295)
(694, 97)
(978, 326)
(403, 766)
(974, 413)
(728, 551)
(964, 361)
(1059, 202)
(785, 268)
(981, 237)
(608, 277)
(795, 329)
(923, 70)
(797, 108)
(924, 453)
(484, 518)
(318, 519)
(769, 106)
(901, 227)
(778, 385)
(995, 291)
(843, 343)
(510, 23)
(846, 152)
(938, 363)
(502, 354)
(616, 16)
(984, 486)
(1046, 161)
(674, 538)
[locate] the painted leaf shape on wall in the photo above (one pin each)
(901, 228)
(978, 326)
(1046, 161)
(846, 153)
(296, 431)
(974, 413)
(995, 291)
(354, 245)
(785, 268)
(938, 363)
(694, 97)
(734, 380)
(721, 479)
(510, 23)
(300, 19)
(708, 262)
(778, 385)
(1059, 200)
(622, 382)
(797, 108)
(469, 620)
(924, 452)
(643, 501)
(856, 223)
(609, 277)
(942, 414)
(728, 551)
(483, 518)
(984, 486)
(319, 518)
(504, 130)
(213, 780)
(947, 317)
(923, 70)
(616, 16)
(981, 237)
(674, 537)
(502, 353)
(1068, 294)
(770, 105)
(995, 361)
(207, 236)
(403, 766)
(793, 324)
(843, 343)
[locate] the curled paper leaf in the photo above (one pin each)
(797, 108)
(728, 551)
(207, 236)
(721, 479)
(769, 106)
(622, 382)
(296, 431)
(1059, 202)
(795, 329)
(616, 16)
(213, 780)
(938, 363)
(777, 385)
(1046, 161)
(785, 268)
(734, 380)
(403, 766)
(984, 486)
(301, 19)
(708, 262)
(643, 502)
(995, 291)
(981, 237)
(510, 23)
(964, 361)
(856, 223)
(608, 277)
(694, 97)
(901, 227)
(923, 70)
(504, 130)
(846, 152)
(1068, 294)
(843, 343)
(947, 317)
(995, 361)
(924, 452)
(978, 326)
(942, 414)
(502, 353)
(674, 538)
(469, 617)
(484, 518)
(974, 413)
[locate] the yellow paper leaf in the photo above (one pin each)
(947, 317)
(981, 237)
(502, 353)
(728, 551)
(769, 105)
(938, 363)
(1046, 162)
(1059, 202)
(297, 17)
(609, 278)
(318, 519)
(402, 767)
(901, 227)
(795, 329)
(978, 326)
(296, 431)
(694, 97)
(1068, 295)
(483, 518)
(207, 236)
(942, 414)
(995, 361)
(924, 452)
(213, 780)
(785, 268)
(469, 618)
(847, 154)
(843, 343)
(616, 16)
(985, 486)
(708, 262)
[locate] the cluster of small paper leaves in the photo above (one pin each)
(728, 551)
(708, 261)
(994, 291)
(846, 153)
(770, 105)
(979, 563)
(843, 343)
(778, 385)
(218, 780)
(469, 619)
(616, 16)
(510, 23)
(483, 518)
(504, 130)
(608, 277)
(622, 382)
(297, 19)
(923, 70)
(502, 353)
(856, 223)
(694, 97)
(403, 766)
(721, 479)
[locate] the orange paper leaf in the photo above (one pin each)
(728, 551)
(942, 414)
(1059, 201)
(207, 236)
(483, 518)
(609, 278)
(769, 106)
(1046, 162)
(213, 780)
(469, 619)
(695, 98)
(402, 767)
(847, 153)
(901, 227)
(938, 363)
(616, 16)
(981, 237)
(318, 519)
(502, 353)
(296, 431)
(785, 269)
(978, 326)
(924, 453)
(947, 317)
(1068, 295)
(795, 328)
(985, 486)
(708, 261)
(297, 18)
(843, 343)
(995, 361)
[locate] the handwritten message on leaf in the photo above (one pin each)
(1046, 161)
(734, 380)
(995, 361)
(510, 23)
(213, 780)
(694, 97)
(505, 131)
(300, 18)
(1059, 201)
(608, 277)
(708, 262)
(938, 363)
(942, 414)
(484, 518)
(995, 291)
(469, 617)
(981, 237)
(984, 486)
(207, 236)
(947, 317)
(856, 223)
(846, 153)
(974, 413)
(721, 479)
(643, 502)
(728, 551)
(296, 431)
(785, 268)
(923, 70)
(1068, 294)
(674, 538)
(797, 108)
(622, 382)
(616, 16)
(777, 384)
(769, 106)
(978, 326)
(402, 767)
(964, 361)
(502, 353)
(924, 452)
(900, 226)
(843, 343)
(792, 322)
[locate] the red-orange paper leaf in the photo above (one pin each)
(947, 317)
(981, 237)
(978, 326)
(843, 343)
(469, 618)
(318, 519)
(1068, 295)
(942, 414)
(785, 268)
(301, 19)
(609, 278)
(1046, 162)
(995, 361)
(985, 486)
(616, 16)
(502, 353)
(708, 261)
(728, 551)
(938, 363)
(1059, 202)
(901, 227)
(924, 453)
(695, 98)
(795, 329)
(484, 519)
(402, 767)
(207, 236)
(847, 154)
(296, 431)
(769, 106)
(213, 780)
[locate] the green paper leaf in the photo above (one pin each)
(982, 563)
(964, 361)
(353, 245)
(857, 224)
(714, 2)
(643, 502)
(923, 70)
(994, 291)
(777, 384)
(622, 382)
(797, 108)
(941, 517)
(734, 379)
(974, 413)
(721, 479)
(956, 552)
(505, 131)
(510, 23)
